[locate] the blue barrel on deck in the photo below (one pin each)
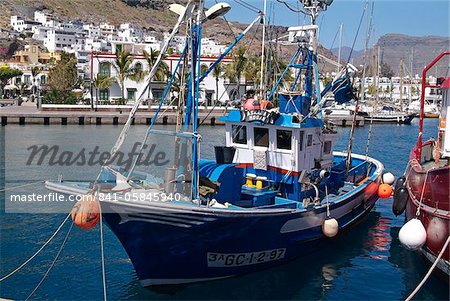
(294, 103)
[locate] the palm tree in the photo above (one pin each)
(22, 88)
(102, 82)
(122, 65)
(161, 72)
(34, 73)
(217, 73)
(252, 71)
(234, 70)
(151, 58)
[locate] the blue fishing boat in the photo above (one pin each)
(275, 191)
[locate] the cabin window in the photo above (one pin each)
(327, 147)
(239, 133)
(300, 144)
(309, 140)
(261, 137)
(284, 139)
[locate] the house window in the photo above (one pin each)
(284, 139)
(239, 133)
(309, 140)
(261, 137)
(104, 94)
(157, 94)
(327, 147)
(105, 68)
(209, 95)
(302, 134)
(27, 79)
(119, 48)
(131, 94)
(43, 79)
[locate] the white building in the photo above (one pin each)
(58, 40)
(97, 45)
(129, 33)
(211, 48)
(46, 20)
(40, 32)
(103, 64)
(20, 24)
(177, 43)
(92, 31)
(75, 27)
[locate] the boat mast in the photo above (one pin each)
(352, 130)
(411, 75)
(401, 84)
(261, 83)
(340, 48)
(377, 76)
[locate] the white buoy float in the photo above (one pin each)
(413, 234)
(330, 227)
(388, 178)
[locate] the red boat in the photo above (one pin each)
(424, 190)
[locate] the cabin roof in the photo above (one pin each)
(280, 119)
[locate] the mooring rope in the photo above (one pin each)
(37, 252)
(20, 186)
(429, 271)
(52, 264)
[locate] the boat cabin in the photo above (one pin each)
(276, 154)
(444, 124)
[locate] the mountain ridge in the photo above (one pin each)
(153, 15)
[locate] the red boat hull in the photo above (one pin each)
(431, 192)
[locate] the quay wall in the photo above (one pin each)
(115, 115)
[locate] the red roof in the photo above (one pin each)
(446, 83)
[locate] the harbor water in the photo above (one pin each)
(366, 263)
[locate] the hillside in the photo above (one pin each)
(394, 47)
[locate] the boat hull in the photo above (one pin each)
(181, 247)
(388, 118)
(175, 243)
(434, 208)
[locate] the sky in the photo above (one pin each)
(414, 17)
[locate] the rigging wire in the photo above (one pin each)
(356, 36)
(295, 10)
(247, 5)
(52, 264)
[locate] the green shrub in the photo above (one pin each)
(54, 96)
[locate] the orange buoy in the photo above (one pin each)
(86, 212)
(384, 191)
(266, 105)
